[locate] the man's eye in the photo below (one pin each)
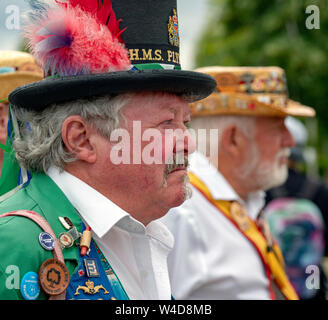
(167, 121)
(187, 124)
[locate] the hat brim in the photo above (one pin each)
(10, 81)
(298, 110)
(37, 96)
(214, 105)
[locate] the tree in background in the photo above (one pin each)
(265, 33)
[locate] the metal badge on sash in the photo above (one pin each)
(91, 267)
(90, 288)
(91, 282)
(240, 216)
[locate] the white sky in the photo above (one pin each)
(191, 20)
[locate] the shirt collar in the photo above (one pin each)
(220, 188)
(96, 210)
(100, 213)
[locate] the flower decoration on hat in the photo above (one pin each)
(76, 37)
(253, 91)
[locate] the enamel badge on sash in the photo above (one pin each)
(239, 215)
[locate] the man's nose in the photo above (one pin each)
(184, 142)
(288, 139)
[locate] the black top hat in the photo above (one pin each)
(90, 48)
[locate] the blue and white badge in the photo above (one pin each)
(46, 241)
(30, 288)
(91, 267)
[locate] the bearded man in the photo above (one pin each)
(223, 249)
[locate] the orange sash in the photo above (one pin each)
(270, 253)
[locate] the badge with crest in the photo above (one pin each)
(174, 29)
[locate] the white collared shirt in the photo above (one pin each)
(211, 259)
(138, 254)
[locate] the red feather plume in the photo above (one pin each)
(78, 37)
(102, 10)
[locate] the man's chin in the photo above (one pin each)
(178, 185)
(274, 178)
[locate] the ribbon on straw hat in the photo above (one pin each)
(253, 91)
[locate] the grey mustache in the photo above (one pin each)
(176, 162)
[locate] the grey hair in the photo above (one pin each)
(39, 144)
(220, 122)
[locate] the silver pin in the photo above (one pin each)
(66, 222)
(68, 238)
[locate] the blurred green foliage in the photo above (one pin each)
(263, 33)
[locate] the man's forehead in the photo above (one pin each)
(266, 126)
(182, 106)
(269, 121)
(158, 102)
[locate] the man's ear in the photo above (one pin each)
(233, 141)
(77, 138)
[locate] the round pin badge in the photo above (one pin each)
(29, 286)
(65, 240)
(46, 241)
(53, 277)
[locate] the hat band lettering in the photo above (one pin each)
(166, 55)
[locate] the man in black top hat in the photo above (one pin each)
(104, 139)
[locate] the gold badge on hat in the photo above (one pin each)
(173, 28)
